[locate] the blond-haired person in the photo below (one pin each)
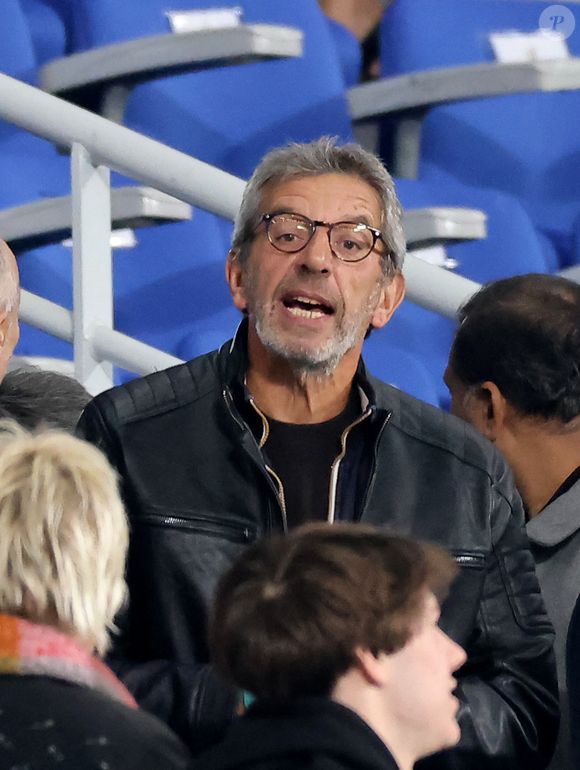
(62, 560)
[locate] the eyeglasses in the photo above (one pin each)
(349, 241)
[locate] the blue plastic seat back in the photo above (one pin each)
(179, 274)
(527, 144)
(47, 29)
(162, 288)
(174, 280)
(17, 53)
(22, 155)
(394, 364)
(349, 52)
(30, 167)
(512, 247)
(231, 115)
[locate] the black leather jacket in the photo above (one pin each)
(198, 490)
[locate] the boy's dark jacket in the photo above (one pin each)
(308, 733)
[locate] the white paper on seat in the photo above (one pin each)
(121, 238)
(435, 255)
(181, 22)
(516, 47)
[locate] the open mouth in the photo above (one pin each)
(307, 307)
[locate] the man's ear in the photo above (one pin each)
(392, 295)
(9, 335)
(372, 667)
(235, 278)
(4, 326)
(491, 407)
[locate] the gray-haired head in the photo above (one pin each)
(42, 399)
(323, 156)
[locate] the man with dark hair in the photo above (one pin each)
(514, 373)
(283, 424)
(334, 631)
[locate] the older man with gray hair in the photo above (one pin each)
(283, 425)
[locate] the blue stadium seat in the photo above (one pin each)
(526, 145)
(30, 167)
(47, 29)
(394, 364)
(228, 116)
(171, 274)
(349, 52)
(512, 247)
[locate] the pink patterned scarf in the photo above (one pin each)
(31, 648)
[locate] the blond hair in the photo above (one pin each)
(64, 534)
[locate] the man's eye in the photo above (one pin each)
(350, 245)
(287, 237)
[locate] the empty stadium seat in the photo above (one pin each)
(394, 364)
(526, 144)
(228, 116)
(512, 247)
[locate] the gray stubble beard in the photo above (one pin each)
(323, 360)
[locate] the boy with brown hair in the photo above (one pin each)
(334, 631)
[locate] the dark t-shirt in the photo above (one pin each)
(302, 457)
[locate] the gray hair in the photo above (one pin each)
(323, 156)
(36, 398)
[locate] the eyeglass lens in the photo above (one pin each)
(350, 241)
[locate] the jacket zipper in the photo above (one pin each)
(271, 471)
(470, 560)
(200, 525)
(373, 474)
(336, 466)
(272, 477)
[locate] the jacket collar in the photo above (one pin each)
(558, 520)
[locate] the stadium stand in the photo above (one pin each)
(177, 269)
(525, 144)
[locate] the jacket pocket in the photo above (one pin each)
(460, 608)
(201, 524)
(469, 559)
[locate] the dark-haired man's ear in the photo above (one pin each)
(493, 410)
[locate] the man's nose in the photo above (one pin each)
(317, 256)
